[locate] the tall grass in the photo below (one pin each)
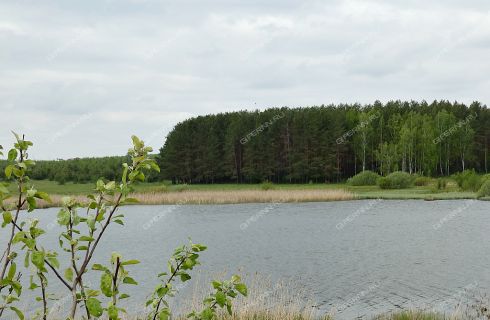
(282, 300)
(266, 300)
(412, 315)
(226, 197)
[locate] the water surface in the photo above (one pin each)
(357, 258)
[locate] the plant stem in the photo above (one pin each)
(181, 262)
(43, 290)
(12, 232)
(114, 282)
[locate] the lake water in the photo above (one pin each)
(358, 258)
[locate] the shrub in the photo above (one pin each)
(441, 184)
(468, 180)
(365, 178)
(422, 181)
(485, 178)
(83, 225)
(395, 180)
(484, 190)
(267, 186)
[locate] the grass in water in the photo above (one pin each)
(164, 193)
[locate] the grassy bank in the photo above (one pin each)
(160, 193)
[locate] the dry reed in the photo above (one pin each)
(225, 197)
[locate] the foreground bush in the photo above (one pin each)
(83, 225)
(365, 178)
(396, 180)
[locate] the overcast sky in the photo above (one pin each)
(79, 77)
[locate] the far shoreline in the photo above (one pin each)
(158, 193)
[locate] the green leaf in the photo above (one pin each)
(7, 217)
(37, 259)
(129, 280)
(54, 262)
(155, 166)
(112, 312)
(8, 171)
(220, 298)
(12, 270)
(123, 296)
(110, 185)
(106, 284)
(86, 238)
(164, 314)
(42, 195)
(207, 314)
(31, 204)
(19, 313)
(18, 237)
(63, 217)
(216, 284)
(185, 277)
(242, 288)
(69, 274)
(26, 259)
(99, 267)
(12, 155)
(129, 262)
(94, 307)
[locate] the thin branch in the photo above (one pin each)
(43, 290)
(99, 236)
(177, 268)
(48, 263)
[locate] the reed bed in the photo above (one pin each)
(225, 197)
(244, 196)
(272, 300)
(266, 300)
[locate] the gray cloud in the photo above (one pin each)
(91, 73)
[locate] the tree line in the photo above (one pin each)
(78, 170)
(328, 143)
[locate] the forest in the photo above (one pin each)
(327, 143)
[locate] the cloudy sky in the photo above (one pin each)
(79, 77)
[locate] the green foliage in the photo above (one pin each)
(83, 228)
(365, 178)
(441, 184)
(468, 180)
(222, 297)
(396, 180)
(21, 234)
(267, 186)
(421, 181)
(327, 143)
(110, 282)
(484, 189)
(183, 260)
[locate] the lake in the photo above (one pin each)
(356, 258)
